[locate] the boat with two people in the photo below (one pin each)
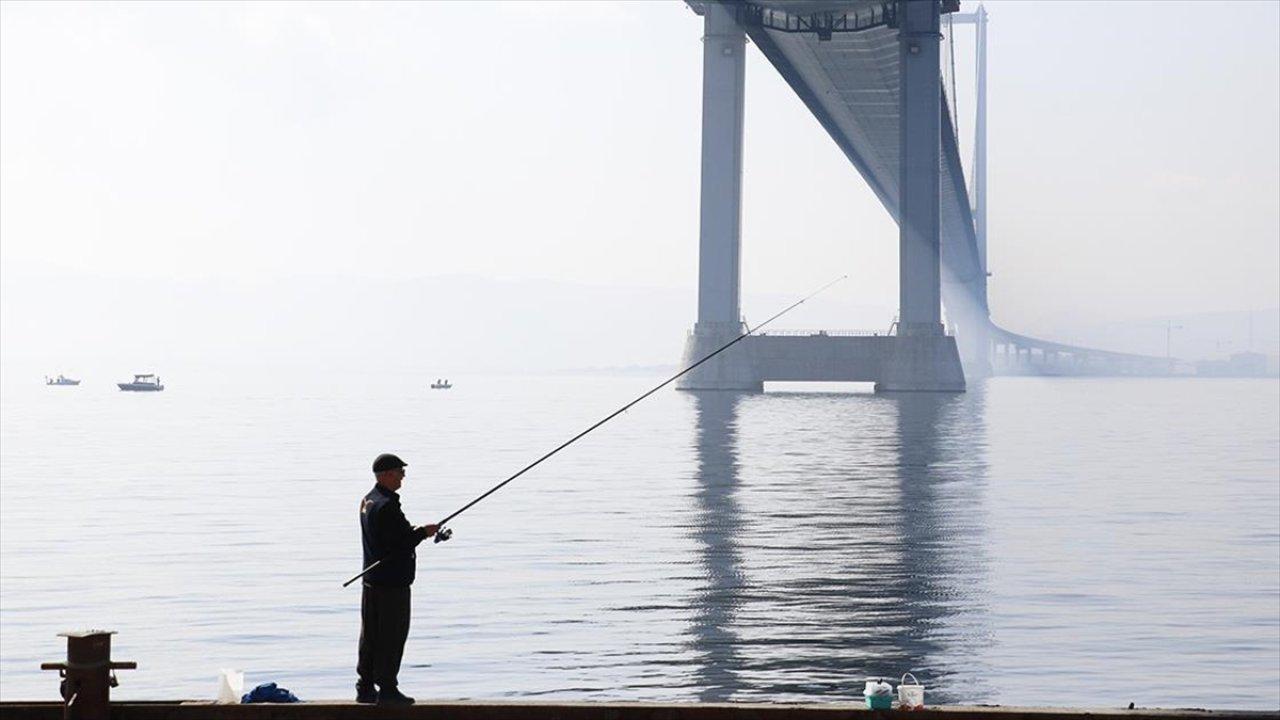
(142, 383)
(60, 380)
(441, 384)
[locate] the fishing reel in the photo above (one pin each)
(443, 534)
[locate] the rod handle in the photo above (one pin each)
(363, 572)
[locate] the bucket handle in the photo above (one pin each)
(914, 681)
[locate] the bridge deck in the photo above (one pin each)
(850, 82)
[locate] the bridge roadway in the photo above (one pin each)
(849, 62)
(1014, 354)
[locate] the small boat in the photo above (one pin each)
(441, 384)
(60, 380)
(143, 383)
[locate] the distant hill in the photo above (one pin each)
(445, 324)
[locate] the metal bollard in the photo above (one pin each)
(88, 674)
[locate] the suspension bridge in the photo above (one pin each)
(871, 73)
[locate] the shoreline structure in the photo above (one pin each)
(495, 710)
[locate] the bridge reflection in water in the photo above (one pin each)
(836, 552)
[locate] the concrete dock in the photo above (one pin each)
(485, 710)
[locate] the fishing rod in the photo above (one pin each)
(443, 533)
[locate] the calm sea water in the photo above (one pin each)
(1033, 541)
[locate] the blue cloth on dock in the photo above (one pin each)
(269, 693)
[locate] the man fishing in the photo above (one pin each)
(389, 542)
(389, 551)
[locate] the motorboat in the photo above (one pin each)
(142, 383)
(60, 380)
(440, 384)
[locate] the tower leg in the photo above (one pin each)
(720, 238)
(924, 358)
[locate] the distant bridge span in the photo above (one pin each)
(1014, 354)
(869, 71)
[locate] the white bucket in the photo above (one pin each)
(910, 695)
(230, 686)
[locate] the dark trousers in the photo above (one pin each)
(384, 626)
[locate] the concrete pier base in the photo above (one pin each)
(733, 369)
(911, 363)
(922, 363)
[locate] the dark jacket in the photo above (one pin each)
(388, 536)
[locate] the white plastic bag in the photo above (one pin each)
(878, 694)
(230, 686)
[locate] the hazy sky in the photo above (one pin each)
(1134, 166)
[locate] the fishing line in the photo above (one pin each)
(443, 533)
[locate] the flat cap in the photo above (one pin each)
(387, 461)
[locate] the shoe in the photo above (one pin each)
(366, 694)
(393, 696)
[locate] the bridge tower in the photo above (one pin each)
(920, 357)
